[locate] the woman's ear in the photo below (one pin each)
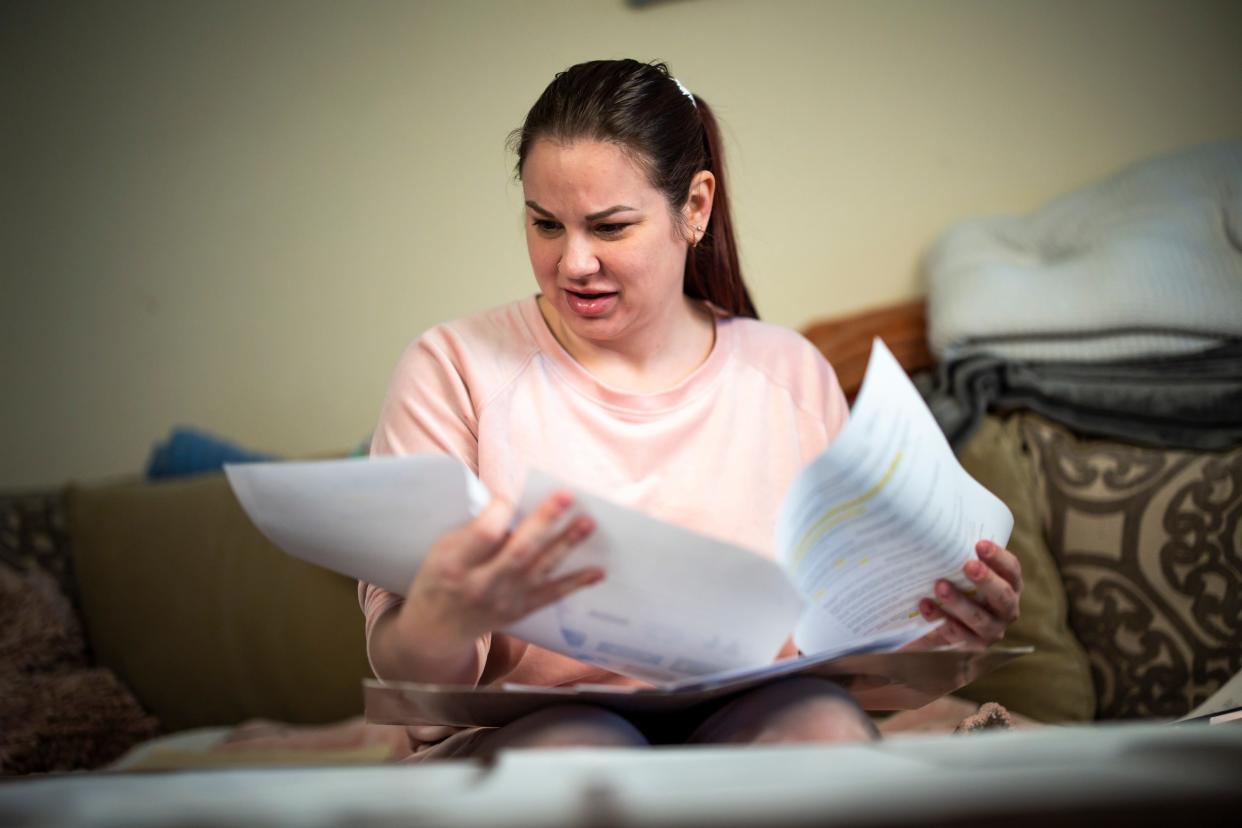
(698, 209)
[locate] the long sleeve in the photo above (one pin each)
(427, 408)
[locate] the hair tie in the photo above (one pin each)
(686, 92)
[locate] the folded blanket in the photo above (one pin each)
(1148, 262)
(1190, 402)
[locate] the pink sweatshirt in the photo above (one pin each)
(715, 453)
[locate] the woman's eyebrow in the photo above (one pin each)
(535, 206)
(618, 208)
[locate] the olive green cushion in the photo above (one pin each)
(1053, 684)
(203, 617)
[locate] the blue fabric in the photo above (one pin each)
(190, 451)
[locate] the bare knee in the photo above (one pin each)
(567, 726)
(801, 710)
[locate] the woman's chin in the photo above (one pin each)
(592, 329)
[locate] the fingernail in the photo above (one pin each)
(943, 589)
(927, 608)
(563, 500)
(974, 570)
(984, 549)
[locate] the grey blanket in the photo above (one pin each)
(1192, 401)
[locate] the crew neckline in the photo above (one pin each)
(586, 383)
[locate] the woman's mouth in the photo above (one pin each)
(590, 303)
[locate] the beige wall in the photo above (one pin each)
(235, 215)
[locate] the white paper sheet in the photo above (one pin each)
(871, 524)
(372, 519)
(673, 603)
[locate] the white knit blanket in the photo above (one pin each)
(1148, 262)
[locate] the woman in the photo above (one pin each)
(639, 371)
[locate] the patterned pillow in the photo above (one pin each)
(1149, 544)
(34, 534)
(57, 712)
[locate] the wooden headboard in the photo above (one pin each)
(846, 340)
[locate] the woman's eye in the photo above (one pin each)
(610, 229)
(546, 225)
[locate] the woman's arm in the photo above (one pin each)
(402, 649)
(427, 408)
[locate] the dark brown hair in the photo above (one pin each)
(641, 108)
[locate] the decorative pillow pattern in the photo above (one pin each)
(1149, 544)
(57, 711)
(34, 533)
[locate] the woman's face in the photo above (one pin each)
(607, 252)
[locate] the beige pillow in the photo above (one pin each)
(1149, 543)
(1053, 684)
(203, 617)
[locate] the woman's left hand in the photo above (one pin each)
(980, 619)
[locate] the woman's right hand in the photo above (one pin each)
(482, 576)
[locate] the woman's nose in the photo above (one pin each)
(578, 257)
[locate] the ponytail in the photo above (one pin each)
(713, 271)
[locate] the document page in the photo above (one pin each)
(1227, 698)
(870, 525)
(370, 518)
(673, 603)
